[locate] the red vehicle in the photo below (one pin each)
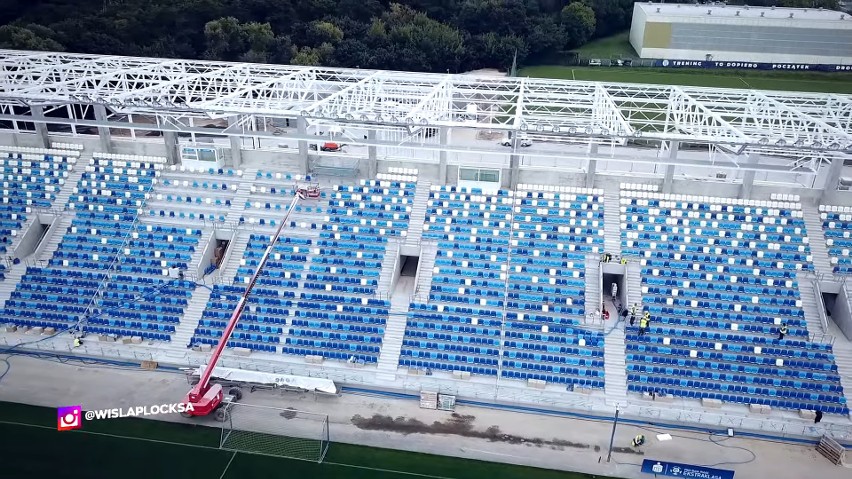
(206, 397)
(329, 146)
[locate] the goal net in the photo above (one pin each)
(272, 431)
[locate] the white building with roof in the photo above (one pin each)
(723, 33)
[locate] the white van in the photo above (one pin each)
(595, 62)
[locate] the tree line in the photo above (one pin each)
(416, 35)
(410, 35)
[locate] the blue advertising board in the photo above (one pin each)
(751, 65)
(674, 469)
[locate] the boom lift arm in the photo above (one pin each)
(205, 397)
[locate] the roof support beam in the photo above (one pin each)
(159, 87)
(106, 75)
(519, 105)
(698, 117)
(313, 108)
(432, 99)
(250, 89)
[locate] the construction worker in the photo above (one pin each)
(782, 331)
(633, 313)
(638, 440)
(623, 260)
(77, 342)
(643, 323)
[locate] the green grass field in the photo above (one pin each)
(616, 46)
(760, 80)
(138, 448)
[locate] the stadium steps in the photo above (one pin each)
(387, 273)
(194, 264)
(192, 314)
(51, 244)
(418, 213)
(392, 340)
(821, 261)
(59, 204)
(612, 225)
(428, 254)
(233, 257)
(615, 368)
(843, 360)
(810, 307)
(634, 283)
(593, 287)
(71, 182)
(238, 204)
(13, 274)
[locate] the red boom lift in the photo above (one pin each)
(205, 397)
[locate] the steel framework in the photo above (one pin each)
(769, 122)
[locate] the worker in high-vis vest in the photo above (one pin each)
(643, 325)
(633, 313)
(638, 440)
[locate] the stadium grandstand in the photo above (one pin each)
(466, 237)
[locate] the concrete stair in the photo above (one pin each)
(59, 204)
(811, 306)
(392, 340)
(816, 235)
(51, 243)
(612, 225)
(233, 257)
(206, 233)
(428, 254)
(418, 213)
(615, 369)
(191, 316)
(238, 204)
(634, 283)
(388, 263)
(593, 289)
(843, 359)
(13, 275)
(74, 177)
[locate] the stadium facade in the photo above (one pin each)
(730, 33)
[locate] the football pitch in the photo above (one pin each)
(749, 79)
(138, 448)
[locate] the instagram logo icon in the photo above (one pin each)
(70, 417)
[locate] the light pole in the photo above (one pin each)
(612, 437)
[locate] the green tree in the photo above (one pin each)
(20, 38)
(419, 43)
(228, 39)
(578, 22)
(503, 17)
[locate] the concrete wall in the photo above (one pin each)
(270, 159)
(28, 244)
(842, 313)
(637, 29)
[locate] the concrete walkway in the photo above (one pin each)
(567, 444)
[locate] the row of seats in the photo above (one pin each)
(718, 295)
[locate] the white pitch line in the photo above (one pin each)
(489, 452)
(229, 465)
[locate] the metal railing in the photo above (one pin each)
(820, 305)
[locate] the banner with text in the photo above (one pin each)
(674, 469)
(751, 65)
